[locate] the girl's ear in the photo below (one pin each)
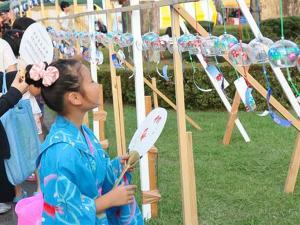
(74, 98)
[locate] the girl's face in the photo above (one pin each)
(89, 89)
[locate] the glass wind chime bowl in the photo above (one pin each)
(125, 40)
(208, 47)
(108, 38)
(225, 42)
(260, 47)
(159, 44)
(185, 42)
(241, 55)
(196, 43)
(284, 54)
(147, 40)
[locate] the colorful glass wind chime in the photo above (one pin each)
(261, 45)
(223, 44)
(193, 45)
(241, 55)
(285, 54)
(151, 41)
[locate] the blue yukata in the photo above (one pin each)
(74, 171)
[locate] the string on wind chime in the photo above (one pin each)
(192, 44)
(224, 43)
(261, 46)
(242, 55)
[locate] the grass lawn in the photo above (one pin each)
(239, 184)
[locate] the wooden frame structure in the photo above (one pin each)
(295, 160)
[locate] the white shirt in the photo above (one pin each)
(65, 24)
(7, 57)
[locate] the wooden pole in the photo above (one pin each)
(155, 100)
(294, 168)
(121, 115)
(100, 116)
(101, 108)
(43, 12)
(152, 155)
(29, 11)
(232, 118)
(188, 196)
(192, 180)
(114, 84)
(117, 115)
(78, 26)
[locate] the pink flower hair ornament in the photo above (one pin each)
(48, 76)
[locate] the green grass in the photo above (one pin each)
(239, 184)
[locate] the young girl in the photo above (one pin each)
(76, 175)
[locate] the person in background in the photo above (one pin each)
(22, 24)
(7, 101)
(65, 24)
(8, 61)
(14, 38)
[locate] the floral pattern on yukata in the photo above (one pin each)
(73, 176)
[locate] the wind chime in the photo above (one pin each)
(285, 54)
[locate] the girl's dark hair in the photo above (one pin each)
(13, 37)
(63, 5)
(69, 80)
(22, 23)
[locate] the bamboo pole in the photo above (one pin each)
(188, 195)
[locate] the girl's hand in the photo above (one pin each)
(123, 160)
(122, 195)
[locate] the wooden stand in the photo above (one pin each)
(232, 118)
(152, 156)
(188, 190)
(119, 122)
(295, 161)
(294, 168)
(155, 99)
(100, 116)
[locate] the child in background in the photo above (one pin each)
(76, 174)
(14, 38)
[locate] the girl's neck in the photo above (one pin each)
(76, 118)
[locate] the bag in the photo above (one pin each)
(30, 210)
(23, 139)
